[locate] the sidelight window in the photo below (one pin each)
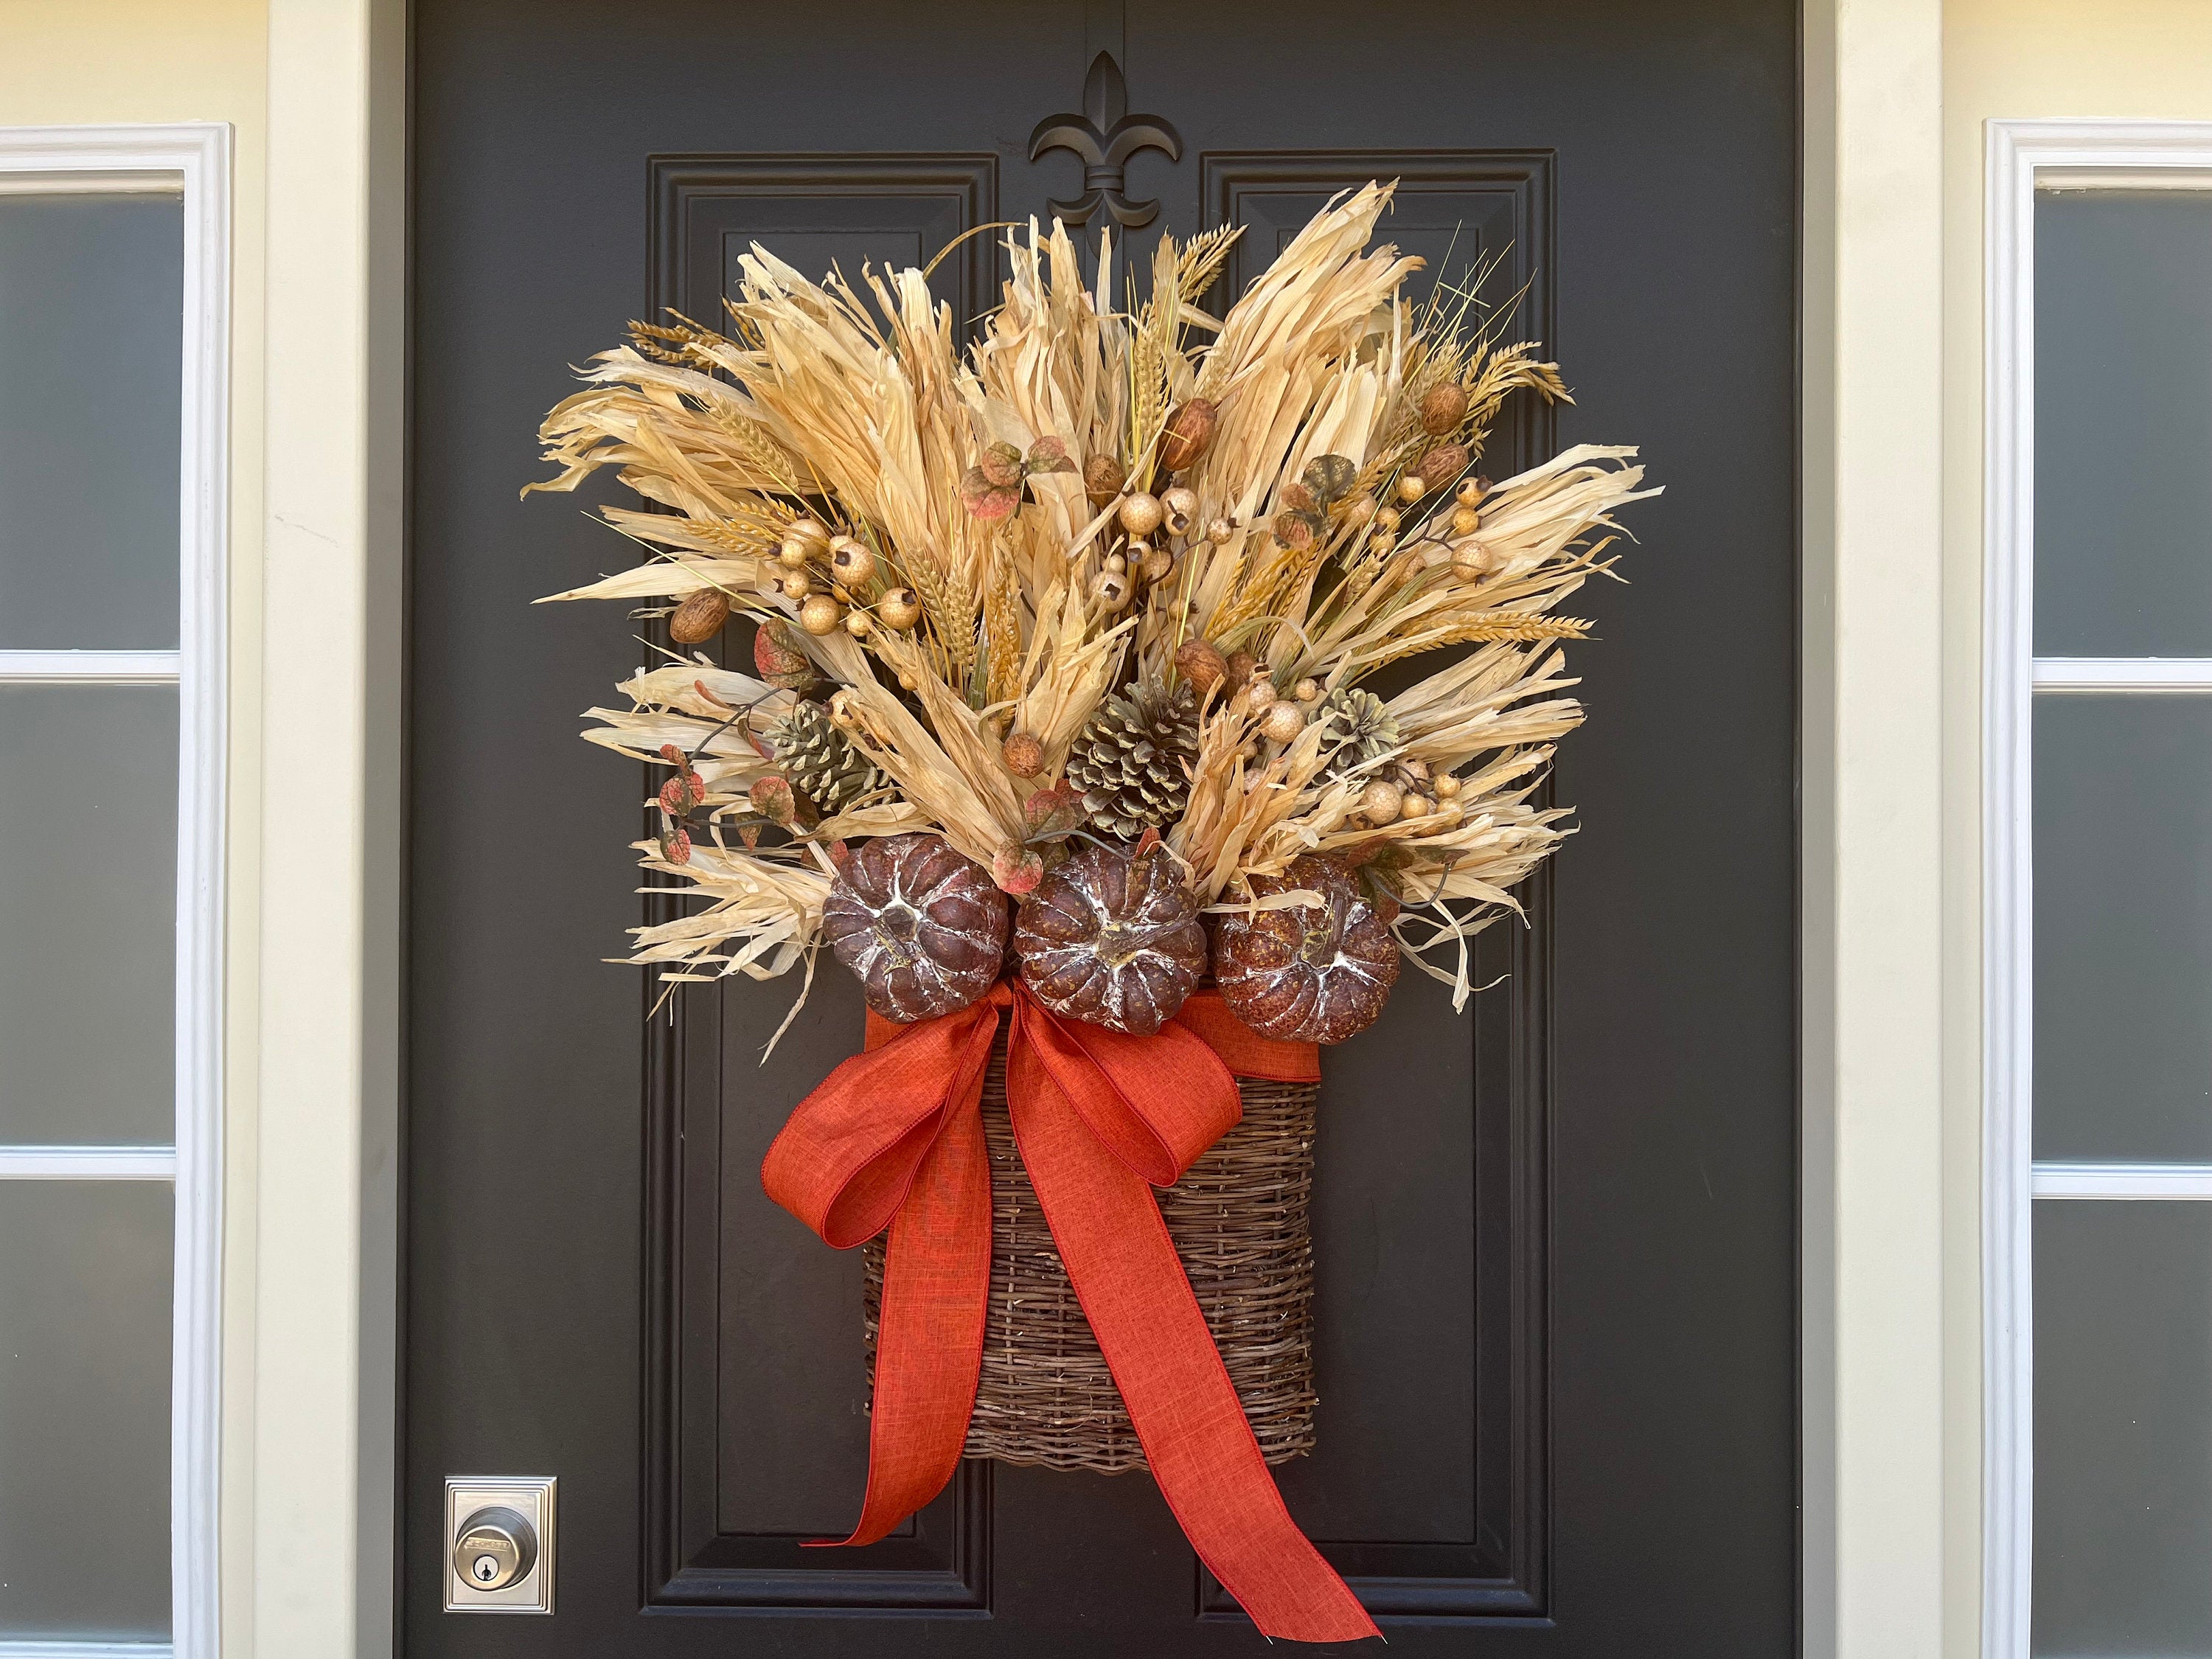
(113, 323)
(2101, 957)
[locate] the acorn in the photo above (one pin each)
(1189, 430)
(1380, 801)
(1443, 409)
(1024, 755)
(1283, 722)
(1443, 464)
(1201, 664)
(853, 560)
(1142, 513)
(821, 615)
(700, 618)
(1103, 478)
(1178, 506)
(899, 609)
(1111, 590)
(1465, 521)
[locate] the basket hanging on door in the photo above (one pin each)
(1059, 700)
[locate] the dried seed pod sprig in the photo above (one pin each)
(1106, 575)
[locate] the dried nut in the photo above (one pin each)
(820, 615)
(1283, 722)
(1221, 532)
(1103, 478)
(1201, 664)
(700, 618)
(1307, 691)
(1111, 590)
(1179, 507)
(1024, 755)
(853, 560)
(1386, 519)
(1415, 806)
(1470, 559)
(1159, 564)
(1141, 514)
(1359, 510)
(1380, 801)
(1412, 486)
(1466, 521)
(857, 624)
(795, 584)
(1446, 786)
(1444, 408)
(1117, 564)
(1443, 464)
(1189, 430)
(899, 609)
(1471, 491)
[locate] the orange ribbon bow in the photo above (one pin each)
(893, 1138)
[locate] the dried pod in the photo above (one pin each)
(922, 927)
(1241, 666)
(810, 531)
(1443, 464)
(1309, 973)
(1103, 478)
(779, 658)
(1470, 560)
(1359, 510)
(1024, 755)
(1330, 476)
(1443, 409)
(1158, 564)
(1259, 693)
(1284, 722)
(821, 615)
(1141, 514)
(1201, 665)
(1296, 531)
(1118, 563)
(1299, 499)
(795, 585)
(1412, 486)
(1220, 532)
(1111, 591)
(1178, 506)
(1189, 430)
(899, 609)
(853, 560)
(793, 554)
(1386, 519)
(1112, 939)
(858, 625)
(1471, 491)
(1307, 689)
(700, 618)
(1415, 806)
(1465, 521)
(1380, 801)
(1446, 785)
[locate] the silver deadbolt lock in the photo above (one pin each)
(497, 1546)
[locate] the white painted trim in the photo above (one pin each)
(2155, 675)
(86, 1651)
(86, 1164)
(2123, 1181)
(196, 157)
(100, 667)
(2018, 156)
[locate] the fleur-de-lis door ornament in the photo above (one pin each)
(1105, 135)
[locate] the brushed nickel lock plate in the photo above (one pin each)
(499, 1543)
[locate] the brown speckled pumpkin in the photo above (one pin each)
(921, 927)
(1112, 939)
(1310, 973)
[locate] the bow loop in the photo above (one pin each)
(1156, 1102)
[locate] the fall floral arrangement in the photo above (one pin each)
(1083, 615)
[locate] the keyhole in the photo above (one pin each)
(487, 1568)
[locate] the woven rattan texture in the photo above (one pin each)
(1238, 1217)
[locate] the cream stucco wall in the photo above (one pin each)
(81, 62)
(2003, 59)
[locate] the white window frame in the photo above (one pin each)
(2021, 157)
(193, 158)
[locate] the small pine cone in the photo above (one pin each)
(1311, 973)
(1361, 729)
(1112, 939)
(1132, 758)
(821, 761)
(922, 928)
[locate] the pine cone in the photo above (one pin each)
(1132, 758)
(820, 762)
(921, 927)
(1361, 729)
(1112, 939)
(1313, 973)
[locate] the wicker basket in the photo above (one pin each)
(1238, 1217)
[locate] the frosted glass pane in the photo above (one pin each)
(2124, 424)
(88, 913)
(91, 364)
(2124, 927)
(84, 1409)
(2122, 1429)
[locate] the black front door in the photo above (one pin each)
(1555, 1235)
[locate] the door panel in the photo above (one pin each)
(1554, 1235)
